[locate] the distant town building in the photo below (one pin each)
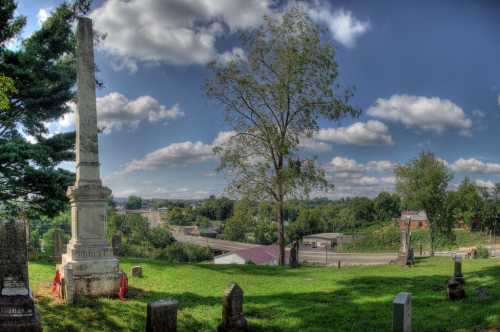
(329, 240)
(417, 219)
(261, 255)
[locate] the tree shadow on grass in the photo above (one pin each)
(361, 303)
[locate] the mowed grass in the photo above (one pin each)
(282, 299)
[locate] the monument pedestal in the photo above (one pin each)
(89, 267)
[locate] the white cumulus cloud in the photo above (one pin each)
(485, 184)
(344, 27)
(472, 165)
(425, 113)
(179, 32)
(370, 133)
(115, 111)
(183, 153)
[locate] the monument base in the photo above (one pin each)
(92, 277)
(18, 314)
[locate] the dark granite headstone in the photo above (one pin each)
(162, 316)
(17, 308)
(294, 254)
(58, 243)
(458, 270)
(233, 319)
(456, 290)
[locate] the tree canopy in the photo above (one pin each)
(36, 84)
(422, 184)
(274, 98)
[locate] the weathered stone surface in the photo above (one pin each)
(401, 317)
(17, 307)
(162, 316)
(457, 274)
(136, 271)
(95, 270)
(233, 319)
(58, 242)
(456, 290)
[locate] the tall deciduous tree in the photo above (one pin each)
(274, 97)
(422, 184)
(39, 78)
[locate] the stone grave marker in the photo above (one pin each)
(401, 318)
(116, 242)
(456, 290)
(95, 271)
(136, 271)
(17, 307)
(162, 316)
(458, 270)
(233, 319)
(58, 243)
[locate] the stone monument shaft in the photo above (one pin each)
(88, 267)
(87, 149)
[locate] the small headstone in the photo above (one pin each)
(162, 316)
(136, 271)
(58, 243)
(233, 319)
(294, 254)
(68, 286)
(17, 307)
(456, 290)
(458, 270)
(116, 242)
(401, 318)
(404, 249)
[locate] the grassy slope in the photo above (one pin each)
(276, 299)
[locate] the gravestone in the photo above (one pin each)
(162, 316)
(459, 277)
(294, 254)
(404, 249)
(95, 270)
(401, 317)
(233, 319)
(17, 307)
(136, 271)
(116, 242)
(58, 243)
(456, 290)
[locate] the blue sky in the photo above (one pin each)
(426, 73)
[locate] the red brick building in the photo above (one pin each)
(417, 219)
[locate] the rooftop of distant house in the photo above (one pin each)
(414, 215)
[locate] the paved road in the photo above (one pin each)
(221, 245)
(317, 256)
(332, 258)
(306, 255)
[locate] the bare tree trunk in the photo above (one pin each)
(281, 232)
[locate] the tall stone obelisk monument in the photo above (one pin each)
(88, 267)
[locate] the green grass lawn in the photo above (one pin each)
(281, 299)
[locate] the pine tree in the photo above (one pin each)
(37, 83)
